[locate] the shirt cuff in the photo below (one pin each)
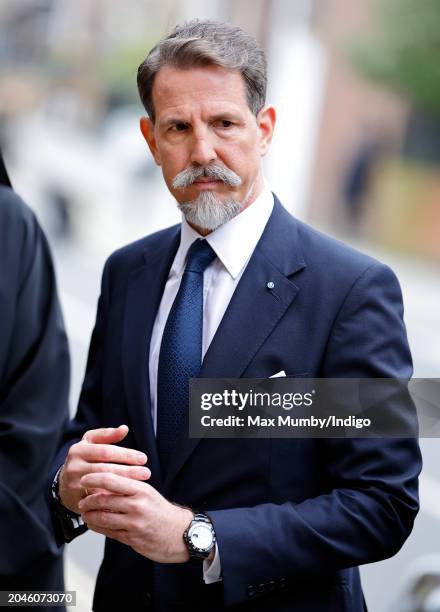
(212, 571)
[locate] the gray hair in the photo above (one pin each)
(203, 42)
(208, 212)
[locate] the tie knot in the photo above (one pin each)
(200, 255)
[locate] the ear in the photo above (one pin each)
(147, 129)
(266, 120)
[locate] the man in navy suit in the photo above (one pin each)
(239, 289)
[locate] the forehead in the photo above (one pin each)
(192, 88)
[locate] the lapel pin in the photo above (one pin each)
(270, 285)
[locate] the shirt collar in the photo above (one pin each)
(233, 242)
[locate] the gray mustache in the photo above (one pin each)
(188, 176)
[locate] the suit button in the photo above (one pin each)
(251, 591)
(282, 583)
(262, 588)
(272, 585)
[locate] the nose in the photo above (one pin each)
(202, 151)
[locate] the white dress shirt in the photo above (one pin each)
(233, 243)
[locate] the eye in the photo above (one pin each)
(178, 127)
(224, 123)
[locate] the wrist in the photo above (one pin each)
(57, 489)
(186, 515)
(70, 522)
(62, 492)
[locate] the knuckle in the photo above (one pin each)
(69, 470)
(131, 528)
(73, 473)
(104, 518)
(132, 456)
(88, 436)
(138, 525)
(100, 501)
(77, 468)
(107, 480)
(99, 468)
(74, 450)
(133, 472)
(105, 453)
(136, 508)
(126, 456)
(74, 464)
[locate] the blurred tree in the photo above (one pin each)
(403, 50)
(118, 69)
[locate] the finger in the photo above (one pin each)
(116, 534)
(110, 454)
(136, 472)
(106, 435)
(92, 491)
(105, 502)
(112, 482)
(105, 520)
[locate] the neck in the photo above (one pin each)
(200, 230)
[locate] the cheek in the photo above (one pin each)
(169, 176)
(243, 159)
(173, 162)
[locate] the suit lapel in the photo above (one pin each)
(145, 289)
(252, 314)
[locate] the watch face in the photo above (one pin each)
(201, 536)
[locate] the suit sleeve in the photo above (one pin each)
(89, 413)
(368, 508)
(34, 384)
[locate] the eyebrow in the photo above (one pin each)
(227, 116)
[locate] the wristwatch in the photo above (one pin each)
(199, 537)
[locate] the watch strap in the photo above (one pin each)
(194, 552)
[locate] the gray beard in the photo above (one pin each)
(207, 211)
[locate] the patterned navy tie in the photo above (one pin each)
(180, 356)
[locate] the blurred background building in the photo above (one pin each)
(357, 153)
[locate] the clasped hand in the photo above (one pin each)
(120, 504)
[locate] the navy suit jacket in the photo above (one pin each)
(293, 517)
(34, 387)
